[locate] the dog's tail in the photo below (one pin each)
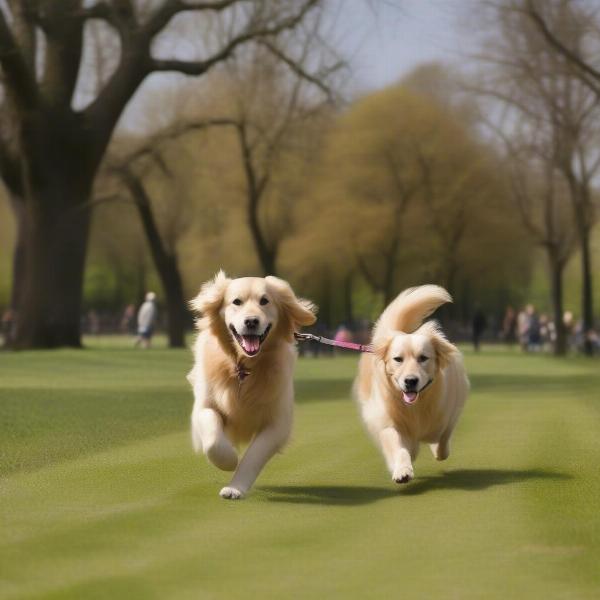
(410, 309)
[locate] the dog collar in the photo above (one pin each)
(425, 386)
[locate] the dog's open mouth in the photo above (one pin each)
(250, 344)
(410, 397)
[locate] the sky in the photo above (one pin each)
(382, 40)
(386, 39)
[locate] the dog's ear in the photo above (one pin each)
(293, 312)
(210, 299)
(381, 346)
(444, 350)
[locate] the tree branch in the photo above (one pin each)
(19, 78)
(296, 68)
(161, 18)
(201, 66)
(585, 68)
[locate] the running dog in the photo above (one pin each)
(242, 376)
(412, 388)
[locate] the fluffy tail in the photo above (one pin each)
(410, 309)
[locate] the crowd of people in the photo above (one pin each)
(536, 332)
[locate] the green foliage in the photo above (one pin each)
(102, 495)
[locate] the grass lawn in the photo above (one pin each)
(102, 497)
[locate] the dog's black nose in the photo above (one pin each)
(411, 382)
(251, 322)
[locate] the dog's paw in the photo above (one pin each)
(403, 474)
(231, 493)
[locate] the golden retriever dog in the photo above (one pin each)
(413, 386)
(242, 375)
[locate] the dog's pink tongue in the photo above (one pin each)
(251, 343)
(410, 397)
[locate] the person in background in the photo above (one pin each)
(523, 328)
(546, 328)
(343, 334)
(478, 327)
(534, 336)
(569, 325)
(93, 322)
(145, 319)
(127, 324)
(509, 326)
(9, 322)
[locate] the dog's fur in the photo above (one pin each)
(256, 408)
(413, 387)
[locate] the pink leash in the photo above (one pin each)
(305, 337)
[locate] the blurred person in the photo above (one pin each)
(569, 325)
(546, 333)
(146, 318)
(127, 324)
(509, 326)
(478, 326)
(9, 324)
(578, 337)
(594, 338)
(93, 322)
(534, 337)
(522, 328)
(343, 334)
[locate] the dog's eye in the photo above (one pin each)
(237, 302)
(423, 358)
(264, 300)
(398, 359)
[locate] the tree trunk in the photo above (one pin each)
(57, 166)
(587, 300)
(18, 262)
(266, 255)
(164, 262)
(556, 274)
(56, 229)
(581, 202)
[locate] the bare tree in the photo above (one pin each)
(270, 112)
(540, 196)
(537, 87)
(61, 147)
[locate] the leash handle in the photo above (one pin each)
(304, 337)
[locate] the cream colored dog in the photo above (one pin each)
(242, 376)
(413, 387)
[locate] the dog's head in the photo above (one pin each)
(250, 313)
(413, 360)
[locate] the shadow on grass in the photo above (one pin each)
(463, 479)
(471, 480)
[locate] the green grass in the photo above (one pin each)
(101, 496)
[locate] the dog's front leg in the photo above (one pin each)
(208, 436)
(397, 453)
(263, 447)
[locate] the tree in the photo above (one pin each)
(60, 147)
(406, 193)
(540, 197)
(268, 113)
(533, 81)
